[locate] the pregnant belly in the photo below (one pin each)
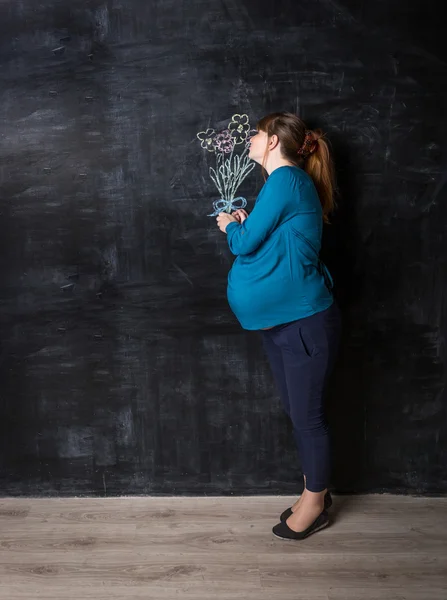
(258, 297)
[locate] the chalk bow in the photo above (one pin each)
(222, 205)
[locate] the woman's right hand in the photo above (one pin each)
(240, 214)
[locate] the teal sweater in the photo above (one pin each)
(275, 277)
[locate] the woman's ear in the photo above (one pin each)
(273, 142)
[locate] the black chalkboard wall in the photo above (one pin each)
(123, 370)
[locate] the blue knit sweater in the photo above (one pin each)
(275, 277)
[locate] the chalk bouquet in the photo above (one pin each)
(230, 147)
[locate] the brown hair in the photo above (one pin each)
(306, 149)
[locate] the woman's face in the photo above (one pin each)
(258, 144)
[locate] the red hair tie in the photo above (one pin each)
(309, 146)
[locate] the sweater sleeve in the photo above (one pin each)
(269, 211)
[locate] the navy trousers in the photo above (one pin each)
(301, 355)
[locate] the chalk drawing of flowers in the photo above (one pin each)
(239, 128)
(231, 167)
(207, 139)
(224, 141)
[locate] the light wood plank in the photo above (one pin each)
(378, 547)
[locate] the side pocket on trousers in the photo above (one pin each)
(307, 343)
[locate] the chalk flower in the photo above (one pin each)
(207, 139)
(224, 141)
(239, 128)
(232, 166)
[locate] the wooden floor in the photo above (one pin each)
(377, 547)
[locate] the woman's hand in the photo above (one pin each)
(240, 214)
(223, 219)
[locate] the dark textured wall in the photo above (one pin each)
(123, 370)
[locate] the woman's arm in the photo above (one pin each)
(269, 211)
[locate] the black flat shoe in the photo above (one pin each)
(283, 531)
(327, 504)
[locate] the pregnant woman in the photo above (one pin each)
(279, 286)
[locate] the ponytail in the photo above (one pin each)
(320, 167)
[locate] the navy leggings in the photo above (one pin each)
(301, 355)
